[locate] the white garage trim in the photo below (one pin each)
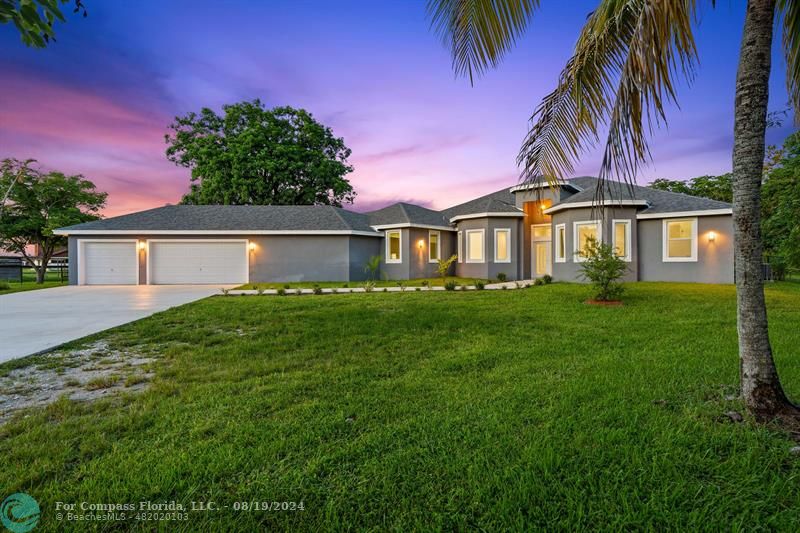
(246, 253)
(82, 256)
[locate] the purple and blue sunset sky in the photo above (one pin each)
(98, 101)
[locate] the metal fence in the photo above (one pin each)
(16, 269)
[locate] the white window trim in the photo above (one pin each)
(460, 250)
(438, 246)
(508, 244)
(627, 224)
(82, 263)
(387, 259)
(665, 241)
(557, 237)
(483, 246)
(576, 252)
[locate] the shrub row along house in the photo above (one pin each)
(524, 232)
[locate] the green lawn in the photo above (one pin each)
(433, 282)
(51, 279)
(488, 410)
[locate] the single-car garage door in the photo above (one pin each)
(175, 262)
(109, 263)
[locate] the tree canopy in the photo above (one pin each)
(713, 187)
(252, 155)
(34, 19)
(39, 203)
(780, 203)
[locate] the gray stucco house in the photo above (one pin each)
(525, 232)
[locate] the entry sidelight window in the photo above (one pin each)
(393, 246)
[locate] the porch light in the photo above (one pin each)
(712, 236)
(252, 247)
(420, 244)
(141, 245)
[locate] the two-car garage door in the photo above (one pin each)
(168, 262)
(174, 262)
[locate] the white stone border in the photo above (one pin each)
(521, 284)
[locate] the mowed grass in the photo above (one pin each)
(432, 282)
(489, 410)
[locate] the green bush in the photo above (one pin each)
(547, 279)
(450, 285)
(501, 277)
(479, 285)
(317, 289)
(369, 286)
(4, 286)
(287, 286)
(779, 266)
(603, 268)
(538, 281)
(281, 292)
(425, 283)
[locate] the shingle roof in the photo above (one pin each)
(233, 218)
(659, 201)
(405, 213)
(501, 201)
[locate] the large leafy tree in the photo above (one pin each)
(781, 204)
(627, 61)
(253, 155)
(713, 187)
(38, 203)
(34, 19)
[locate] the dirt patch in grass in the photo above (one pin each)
(82, 374)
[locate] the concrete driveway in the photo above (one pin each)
(35, 321)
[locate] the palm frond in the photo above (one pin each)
(479, 32)
(622, 75)
(790, 13)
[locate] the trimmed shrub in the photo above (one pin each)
(479, 285)
(547, 279)
(603, 269)
(287, 286)
(450, 285)
(538, 281)
(501, 277)
(317, 289)
(281, 292)
(4, 286)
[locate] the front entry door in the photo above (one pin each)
(541, 250)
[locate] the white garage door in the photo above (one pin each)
(109, 263)
(174, 262)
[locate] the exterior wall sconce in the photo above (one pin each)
(141, 245)
(712, 236)
(252, 246)
(420, 244)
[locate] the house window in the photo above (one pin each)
(502, 245)
(475, 246)
(621, 239)
(582, 232)
(433, 246)
(680, 240)
(394, 252)
(561, 243)
(459, 252)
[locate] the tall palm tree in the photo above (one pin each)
(627, 60)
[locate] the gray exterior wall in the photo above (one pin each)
(361, 249)
(714, 259)
(415, 262)
(276, 258)
(570, 270)
(489, 269)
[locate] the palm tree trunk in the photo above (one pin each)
(761, 388)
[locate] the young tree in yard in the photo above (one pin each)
(256, 156)
(34, 19)
(37, 204)
(627, 61)
(443, 265)
(603, 268)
